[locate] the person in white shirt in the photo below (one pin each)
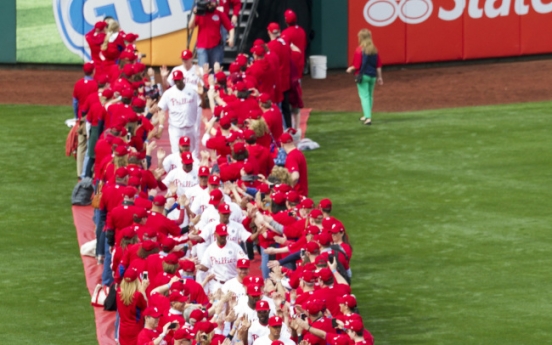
(184, 178)
(246, 304)
(259, 328)
(201, 188)
(275, 333)
(220, 259)
(181, 104)
(173, 161)
(236, 284)
(202, 205)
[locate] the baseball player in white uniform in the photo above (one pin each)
(236, 231)
(220, 259)
(275, 332)
(236, 284)
(181, 104)
(174, 161)
(247, 304)
(184, 178)
(260, 328)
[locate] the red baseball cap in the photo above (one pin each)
(121, 172)
(277, 342)
(149, 233)
(139, 68)
(204, 326)
(197, 314)
(278, 198)
(321, 260)
(128, 232)
(184, 333)
(315, 213)
(149, 245)
(220, 76)
(215, 197)
(184, 141)
(138, 102)
(273, 28)
(325, 203)
(354, 325)
(141, 213)
(337, 227)
(187, 265)
(186, 55)
(239, 147)
(178, 296)
(88, 67)
(314, 306)
(168, 244)
(121, 151)
(290, 17)
(159, 200)
(240, 86)
(292, 196)
(221, 230)
(248, 134)
(100, 25)
(171, 259)
(262, 305)
(203, 171)
(307, 203)
(254, 290)
(214, 180)
(349, 300)
(325, 274)
(309, 276)
(131, 274)
(313, 230)
(177, 75)
(258, 42)
(130, 37)
(241, 60)
(127, 93)
(224, 208)
(286, 138)
(234, 67)
(107, 93)
(102, 79)
(325, 239)
(225, 122)
(264, 188)
(243, 263)
(264, 97)
(187, 158)
(275, 321)
(258, 50)
(312, 247)
(128, 70)
(253, 280)
(283, 188)
(255, 114)
(153, 312)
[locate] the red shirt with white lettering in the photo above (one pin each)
(296, 161)
(209, 28)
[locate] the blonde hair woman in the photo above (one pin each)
(262, 133)
(131, 302)
(367, 67)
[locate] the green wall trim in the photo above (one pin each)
(330, 23)
(7, 31)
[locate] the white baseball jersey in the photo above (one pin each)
(201, 205)
(257, 331)
(236, 232)
(174, 161)
(195, 192)
(265, 340)
(222, 261)
(181, 106)
(234, 285)
(242, 308)
(191, 77)
(183, 180)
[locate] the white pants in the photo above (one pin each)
(175, 133)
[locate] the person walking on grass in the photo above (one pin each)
(367, 68)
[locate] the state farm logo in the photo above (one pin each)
(385, 12)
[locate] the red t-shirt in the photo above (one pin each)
(130, 320)
(83, 88)
(282, 49)
(147, 336)
(274, 120)
(263, 158)
(274, 62)
(119, 218)
(95, 41)
(297, 36)
(264, 76)
(163, 225)
(296, 161)
(209, 28)
(95, 114)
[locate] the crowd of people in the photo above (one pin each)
(177, 232)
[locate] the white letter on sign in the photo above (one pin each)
(473, 9)
(455, 13)
(493, 12)
(540, 7)
(521, 8)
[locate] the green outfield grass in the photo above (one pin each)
(447, 211)
(38, 39)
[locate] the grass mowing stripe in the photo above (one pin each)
(43, 292)
(447, 214)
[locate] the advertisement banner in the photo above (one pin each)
(160, 24)
(410, 31)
